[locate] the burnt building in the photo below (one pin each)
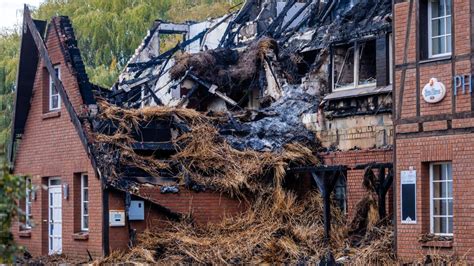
(433, 120)
(270, 75)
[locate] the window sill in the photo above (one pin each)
(25, 233)
(80, 236)
(436, 59)
(438, 244)
(51, 114)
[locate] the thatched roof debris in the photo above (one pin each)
(228, 118)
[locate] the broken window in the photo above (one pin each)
(344, 66)
(367, 62)
(354, 65)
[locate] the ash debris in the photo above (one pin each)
(281, 123)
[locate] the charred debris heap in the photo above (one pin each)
(223, 111)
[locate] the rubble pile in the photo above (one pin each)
(232, 117)
(275, 229)
(202, 155)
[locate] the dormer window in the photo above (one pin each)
(54, 98)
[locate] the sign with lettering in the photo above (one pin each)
(462, 82)
(434, 91)
(408, 196)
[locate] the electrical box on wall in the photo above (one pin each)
(116, 218)
(137, 210)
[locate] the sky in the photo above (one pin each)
(11, 11)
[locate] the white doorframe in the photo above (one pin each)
(55, 245)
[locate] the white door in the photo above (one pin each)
(55, 217)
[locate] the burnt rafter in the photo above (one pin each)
(380, 183)
(43, 52)
(326, 178)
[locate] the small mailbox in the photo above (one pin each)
(137, 210)
(116, 218)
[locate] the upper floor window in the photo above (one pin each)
(439, 28)
(84, 203)
(54, 98)
(354, 65)
(441, 197)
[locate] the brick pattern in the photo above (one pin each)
(462, 123)
(204, 207)
(418, 152)
(435, 125)
(50, 147)
(407, 128)
(355, 191)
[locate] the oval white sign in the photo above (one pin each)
(434, 91)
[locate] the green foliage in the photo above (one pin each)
(9, 47)
(112, 30)
(12, 189)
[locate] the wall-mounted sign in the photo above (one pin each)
(408, 196)
(462, 82)
(434, 91)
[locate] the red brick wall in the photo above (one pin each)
(442, 70)
(50, 147)
(418, 152)
(440, 138)
(119, 236)
(355, 190)
(204, 207)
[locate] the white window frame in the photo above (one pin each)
(28, 203)
(355, 85)
(443, 198)
(430, 30)
(50, 94)
(390, 58)
(83, 189)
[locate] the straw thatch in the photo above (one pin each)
(278, 227)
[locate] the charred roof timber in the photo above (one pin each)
(230, 101)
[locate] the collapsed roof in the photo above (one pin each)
(242, 72)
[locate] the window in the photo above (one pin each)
(355, 65)
(439, 27)
(84, 203)
(29, 194)
(340, 193)
(441, 197)
(54, 98)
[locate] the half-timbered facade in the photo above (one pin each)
(434, 119)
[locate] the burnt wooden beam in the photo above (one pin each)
(279, 19)
(43, 52)
(288, 23)
(213, 90)
(153, 95)
(153, 146)
(326, 182)
(374, 165)
(405, 60)
(382, 184)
